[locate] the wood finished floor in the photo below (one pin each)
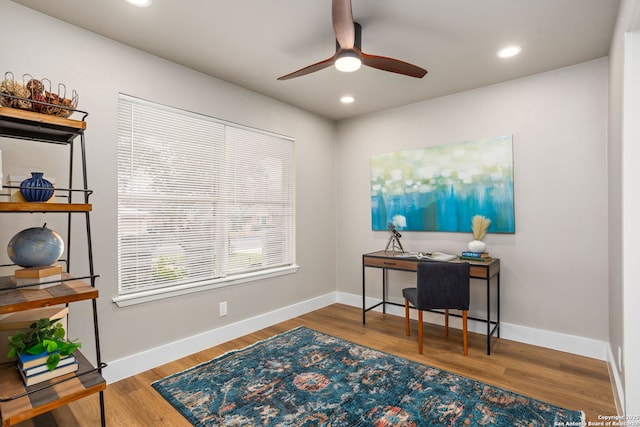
(562, 379)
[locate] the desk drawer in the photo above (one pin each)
(396, 264)
(478, 272)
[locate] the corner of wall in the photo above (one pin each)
(616, 383)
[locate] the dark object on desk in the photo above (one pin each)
(440, 285)
(394, 240)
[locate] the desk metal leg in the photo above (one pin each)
(383, 303)
(496, 328)
(488, 315)
(364, 308)
(384, 290)
(498, 289)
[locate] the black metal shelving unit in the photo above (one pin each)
(17, 402)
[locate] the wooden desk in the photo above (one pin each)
(485, 271)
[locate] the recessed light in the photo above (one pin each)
(509, 51)
(347, 99)
(140, 3)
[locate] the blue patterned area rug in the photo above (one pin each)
(306, 378)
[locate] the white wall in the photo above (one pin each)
(624, 207)
(98, 69)
(614, 158)
(631, 227)
(554, 268)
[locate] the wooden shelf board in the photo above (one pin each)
(36, 118)
(67, 388)
(45, 207)
(13, 299)
(32, 126)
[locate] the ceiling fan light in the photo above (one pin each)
(348, 61)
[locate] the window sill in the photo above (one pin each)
(157, 294)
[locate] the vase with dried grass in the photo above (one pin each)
(479, 226)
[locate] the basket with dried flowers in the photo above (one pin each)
(37, 95)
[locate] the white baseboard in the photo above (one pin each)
(614, 374)
(140, 362)
(554, 340)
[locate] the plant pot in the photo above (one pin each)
(477, 246)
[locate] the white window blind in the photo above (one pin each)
(200, 200)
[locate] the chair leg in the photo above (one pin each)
(420, 331)
(465, 339)
(406, 317)
(446, 322)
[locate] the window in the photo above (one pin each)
(201, 202)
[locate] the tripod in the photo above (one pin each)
(394, 240)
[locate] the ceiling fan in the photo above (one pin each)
(349, 54)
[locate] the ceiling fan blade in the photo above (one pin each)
(343, 26)
(392, 65)
(348, 39)
(310, 69)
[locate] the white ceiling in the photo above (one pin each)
(252, 42)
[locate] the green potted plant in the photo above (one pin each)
(44, 336)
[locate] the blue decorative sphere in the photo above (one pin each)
(35, 247)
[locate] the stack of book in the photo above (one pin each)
(34, 369)
(475, 256)
(19, 321)
(38, 277)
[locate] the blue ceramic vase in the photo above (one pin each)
(36, 188)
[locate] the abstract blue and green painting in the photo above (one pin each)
(440, 188)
